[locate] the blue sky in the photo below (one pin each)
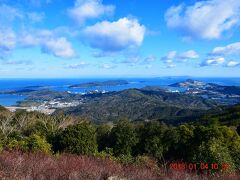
(112, 38)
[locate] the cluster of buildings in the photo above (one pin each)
(47, 107)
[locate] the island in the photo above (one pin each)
(189, 83)
(36, 87)
(227, 95)
(100, 84)
(150, 102)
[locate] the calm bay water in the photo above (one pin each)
(62, 85)
(9, 100)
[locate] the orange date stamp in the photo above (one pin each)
(202, 166)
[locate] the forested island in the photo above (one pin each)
(100, 84)
(148, 103)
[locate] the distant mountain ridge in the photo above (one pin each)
(139, 104)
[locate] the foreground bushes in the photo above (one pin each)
(78, 139)
(18, 165)
(123, 142)
(32, 143)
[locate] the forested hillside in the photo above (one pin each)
(140, 104)
(225, 115)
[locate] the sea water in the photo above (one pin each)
(63, 85)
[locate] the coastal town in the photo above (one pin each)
(48, 101)
(46, 107)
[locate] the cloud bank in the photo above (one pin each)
(230, 49)
(204, 19)
(57, 46)
(7, 41)
(89, 9)
(115, 36)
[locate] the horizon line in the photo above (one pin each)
(117, 77)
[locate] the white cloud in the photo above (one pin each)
(29, 40)
(7, 41)
(57, 46)
(149, 59)
(232, 64)
(101, 54)
(36, 17)
(18, 62)
(115, 36)
(173, 55)
(89, 9)
(107, 66)
(132, 60)
(148, 66)
(230, 49)
(77, 66)
(170, 66)
(8, 14)
(168, 59)
(213, 61)
(207, 19)
(34, 38)
(189, 55)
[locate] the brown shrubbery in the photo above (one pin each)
(19, 165)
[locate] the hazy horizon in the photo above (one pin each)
(120, 77)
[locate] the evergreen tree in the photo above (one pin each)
(79, 139)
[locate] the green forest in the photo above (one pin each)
(213, 139)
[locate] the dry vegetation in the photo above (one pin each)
(37, 146)
(19, 165)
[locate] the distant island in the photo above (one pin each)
(36, 87)
(200, 85)
(100, 84)
(189, 83)
(222, 94)
(150, 102)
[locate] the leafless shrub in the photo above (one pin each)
(19, 165)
